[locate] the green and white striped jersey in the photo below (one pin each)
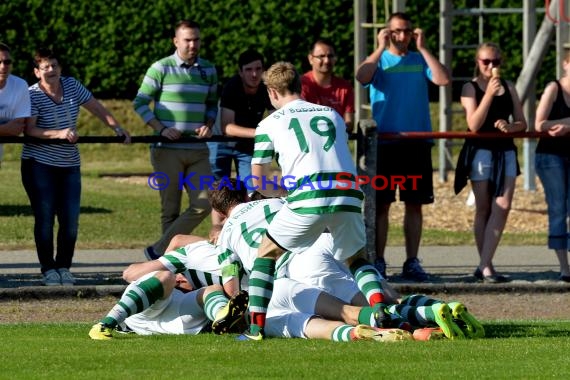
(242, 233)
(310, 144)
(197, 261)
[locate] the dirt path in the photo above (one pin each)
(521, 306)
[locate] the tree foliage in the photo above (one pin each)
(108, 45)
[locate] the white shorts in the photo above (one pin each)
(317, 267)
(482, 166)
(297, 232)
(292, 306)
(180, 313)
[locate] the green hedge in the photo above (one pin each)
(108, 45)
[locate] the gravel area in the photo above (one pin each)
(486, 307)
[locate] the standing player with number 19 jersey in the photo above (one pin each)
(312, 150)
(310, 144)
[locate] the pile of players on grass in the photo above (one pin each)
(200, 286)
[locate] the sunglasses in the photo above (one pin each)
(7, 62)
(405, 31)
(323, 56)
(487, 62)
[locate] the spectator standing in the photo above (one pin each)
(398, 81)
(491, 105)
(320, 86)
(51, 172)
(552, 162)
(183, 87)
(243, 104)
(14, 98)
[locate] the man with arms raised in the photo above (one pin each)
(398, 80)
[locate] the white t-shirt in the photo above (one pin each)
(14, 99)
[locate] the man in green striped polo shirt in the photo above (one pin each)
(183, 88)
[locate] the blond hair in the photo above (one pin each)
(487, 45)
(283, 78)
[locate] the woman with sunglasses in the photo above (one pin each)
(491, 105)
(552, 162)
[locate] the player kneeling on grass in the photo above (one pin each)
(162, 302)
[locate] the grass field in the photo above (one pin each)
(514, 350)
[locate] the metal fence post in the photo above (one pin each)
(366, 148)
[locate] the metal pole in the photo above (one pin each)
(481, 21)
(366, 149)
(529, 145)
(399, 5)
(445, 96)
(359, 55)
(537, 52)
(561, 37)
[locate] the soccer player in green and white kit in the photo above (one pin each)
(303, 305)
(170, 296)
(311, 146)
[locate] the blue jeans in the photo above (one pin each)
(554, 173)
(221, 158)
(53, 191)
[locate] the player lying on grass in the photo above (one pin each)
(420, 310)
(241, 234)
(320, 269)
(162, 302)
(298, 310)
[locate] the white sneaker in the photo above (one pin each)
(52, 278)
(67, 278)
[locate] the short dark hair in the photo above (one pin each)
(321, 41)
(248, 56)
(4, 47)
(257, 196)
(43, 53)
(186, 24)
(227, 193)
(401, 16)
